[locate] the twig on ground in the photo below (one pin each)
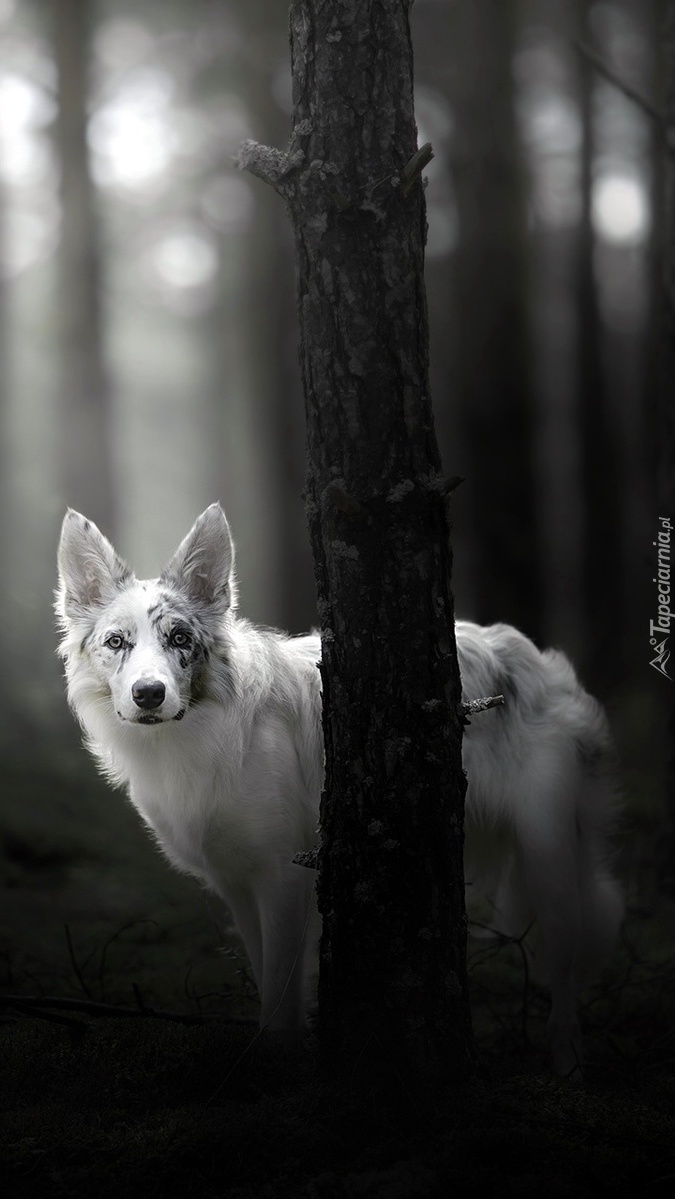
(46, 1006)
(111, 940)
(74, 963)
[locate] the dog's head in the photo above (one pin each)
(143, 645)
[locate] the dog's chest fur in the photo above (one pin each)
(212, 791)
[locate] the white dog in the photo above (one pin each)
(214, 726)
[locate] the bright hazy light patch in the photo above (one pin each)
(552, 131)
(620, 211)
(181, 265)
(27, 172)
(552, 126)
(23, 104)
(185, 260)
(24, 110)
(131, 137)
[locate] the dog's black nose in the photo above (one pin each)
(148, 694)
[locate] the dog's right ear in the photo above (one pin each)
(89, 569)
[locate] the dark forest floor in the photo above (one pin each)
(92, 1105)
(163, 1110)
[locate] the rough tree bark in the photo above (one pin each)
(393, 986)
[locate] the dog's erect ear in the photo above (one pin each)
(89, 569)
(202, 566)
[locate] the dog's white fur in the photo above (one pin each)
(222, 754)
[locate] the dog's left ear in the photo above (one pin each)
(203, 564)
(90, 571)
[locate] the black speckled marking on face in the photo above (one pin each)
(170, 612)
(200, 659)
(199, 681)
(161, 608)
(186, 654)
(167, 616)
(121, 655)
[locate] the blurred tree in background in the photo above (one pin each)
(84, 446)
(492, 333)
(149, 336)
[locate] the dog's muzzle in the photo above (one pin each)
(148, 694)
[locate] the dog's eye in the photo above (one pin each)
(179, 638)
(114, 641)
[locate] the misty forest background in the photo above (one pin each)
(148, 366)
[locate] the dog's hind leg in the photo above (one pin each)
(547, 857)
(288, 919)
(601, 896)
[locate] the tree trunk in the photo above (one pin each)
(84, 449)
(393, 988)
